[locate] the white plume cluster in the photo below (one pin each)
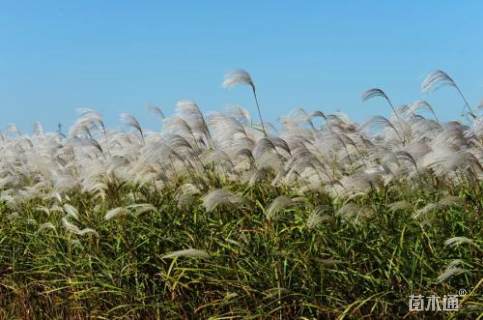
(312, 151)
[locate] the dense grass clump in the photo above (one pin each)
(312, 257)
(220, 217)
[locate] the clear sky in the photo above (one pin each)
(118, 56)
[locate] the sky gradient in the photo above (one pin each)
(120, 56)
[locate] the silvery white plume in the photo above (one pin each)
(131, 121)
(243, 77)
(421, 104)
(452, 269)
(316, 217)
(456, 241)
(435, 80)
(399, 205)
(116, 212)
(218, 197)
(278, 204)
(157, 111)
(141, 208)
(71, 211)
(46, 226)
(438, 79)
(186, 194)
(70, 227)
(237, 77)
(375, 92)
(188, 253)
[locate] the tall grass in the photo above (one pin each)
(213, 218)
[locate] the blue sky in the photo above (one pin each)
(119, 56)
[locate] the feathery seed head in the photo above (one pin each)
(237, 77)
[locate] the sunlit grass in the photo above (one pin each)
(234, 261)
(219, 217)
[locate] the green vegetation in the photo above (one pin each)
(222, 218)
(311, 259)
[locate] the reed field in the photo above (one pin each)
(226, 216)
